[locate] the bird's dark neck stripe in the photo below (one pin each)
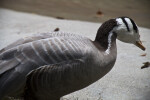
(104, 32)
(124, 21)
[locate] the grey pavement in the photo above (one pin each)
(126, 81)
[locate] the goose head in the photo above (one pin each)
(127, 31)
(122, 28)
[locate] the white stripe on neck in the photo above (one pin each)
(109, 43)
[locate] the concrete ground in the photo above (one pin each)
(126, 81)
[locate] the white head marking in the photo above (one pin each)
(126, 30)
(129, 23)
(119, 21)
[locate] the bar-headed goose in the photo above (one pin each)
(51, 65)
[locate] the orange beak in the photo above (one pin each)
(140, 45)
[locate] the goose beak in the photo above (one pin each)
(140, 45)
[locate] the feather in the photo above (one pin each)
(40, 82)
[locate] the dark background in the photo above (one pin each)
(86, 10)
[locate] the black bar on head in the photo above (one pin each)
(124, 21)
(134, 25)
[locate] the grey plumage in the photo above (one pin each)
(38, 46)
(64, 51)
(33, 52)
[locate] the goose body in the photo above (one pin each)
(51, 65)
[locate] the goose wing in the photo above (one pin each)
(43, 52)
(55, 80)
(34, 37)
